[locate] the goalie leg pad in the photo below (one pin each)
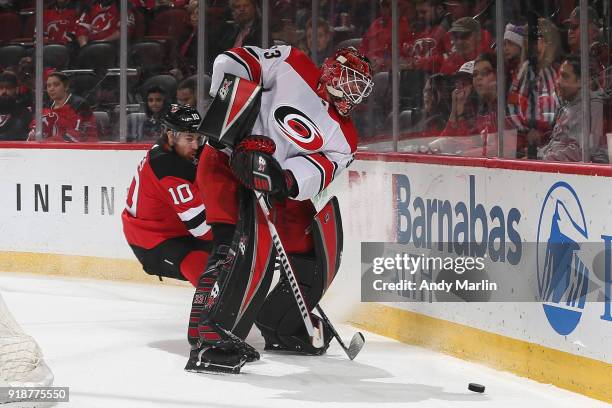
(280, 320)
(243, 277)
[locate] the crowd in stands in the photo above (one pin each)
(448, 79)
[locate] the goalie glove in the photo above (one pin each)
(253, 164)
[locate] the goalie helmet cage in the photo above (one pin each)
(21, 360)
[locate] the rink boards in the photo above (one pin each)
(62, 216)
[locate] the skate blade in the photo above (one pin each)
(213, 368)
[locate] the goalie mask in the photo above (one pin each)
(347, 77)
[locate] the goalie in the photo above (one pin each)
(301, 139)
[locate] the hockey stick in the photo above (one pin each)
(357, 342)
(315, 334)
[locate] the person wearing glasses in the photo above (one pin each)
(164, 220)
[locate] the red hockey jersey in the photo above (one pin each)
(73, 122)
(59, 23)
(163, 200)
(100, 22)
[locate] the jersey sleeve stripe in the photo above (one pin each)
(196, 221)
(251, 61)
(251, 51)
(191, 213)
(328, 167)
(241, 62)
(200, 230)
(321, 170)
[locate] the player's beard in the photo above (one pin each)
(7, 103)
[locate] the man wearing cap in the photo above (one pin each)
(573, 29)
(463, 109)
(14, 118)
(467, 39)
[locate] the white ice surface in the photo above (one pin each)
(123, 345)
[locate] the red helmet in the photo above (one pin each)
(347, 76)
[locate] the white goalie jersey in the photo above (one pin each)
(312, 139)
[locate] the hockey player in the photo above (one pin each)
(164, 221)
(306, 138)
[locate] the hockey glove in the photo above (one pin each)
(252, 163)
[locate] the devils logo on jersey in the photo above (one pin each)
(298, 127)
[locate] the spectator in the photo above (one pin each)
(462, 116)
(436, 106)
(67, 118)
(430, 29)
(459, 8)
(325, 46)
(467, 39)
(282, 25)
(188, 50)
(60, 22)
(157, 106)
(565, 141)
(376, 42)
(485, 86)
(573, 29)
(14, 118)
(534, 122)
(515, 48)
(186, 92)
(244, 30)
(100, 22)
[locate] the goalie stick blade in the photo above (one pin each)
(357, 343)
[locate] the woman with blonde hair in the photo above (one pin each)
(532, 99)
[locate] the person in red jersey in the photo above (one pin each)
(59, 22)
(164, 221)
(100, 22)
(302, 138)
(67, 117)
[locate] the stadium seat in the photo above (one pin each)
(173, 23)
(140, 24)
(166, 82)
(56, 56)
(146, 54)
(11, 26)
(82, 81)
(135, 122)
(11, 54)
(103, 124)
(351, 42)
(28, 26)
(98, 56)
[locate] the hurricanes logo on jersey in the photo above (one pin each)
(298, 127)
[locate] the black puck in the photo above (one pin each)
(476, 387)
